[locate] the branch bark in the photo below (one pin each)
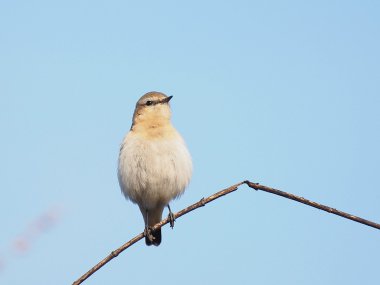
(213, 197)
(302, 200)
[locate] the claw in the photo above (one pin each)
(148, 234)
(171, 217)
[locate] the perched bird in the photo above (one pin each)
(154, 163)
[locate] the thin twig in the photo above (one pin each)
(211, 198)
(192, 207)
(257, 186)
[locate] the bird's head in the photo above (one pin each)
(152, 110)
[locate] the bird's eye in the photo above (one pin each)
(148, 103)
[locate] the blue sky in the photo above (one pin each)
(281, 93)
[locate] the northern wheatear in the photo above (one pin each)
(154, 163)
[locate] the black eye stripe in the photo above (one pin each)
(155, 102)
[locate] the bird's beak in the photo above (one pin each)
(166, 100)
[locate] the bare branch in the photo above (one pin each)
(192, 207)
(257, 186)
(213, 197)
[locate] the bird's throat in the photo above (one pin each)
(154, 129)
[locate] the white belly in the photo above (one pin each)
(153, 172)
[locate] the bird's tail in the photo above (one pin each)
(156, 238)
(152, 217)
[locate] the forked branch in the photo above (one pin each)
(217, 195)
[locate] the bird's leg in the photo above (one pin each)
(171, 217)
(148, 230)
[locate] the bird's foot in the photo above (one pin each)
(171, 217)
(148, 234)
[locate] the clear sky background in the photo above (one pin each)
(284, 93)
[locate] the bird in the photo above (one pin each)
(154, 165)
